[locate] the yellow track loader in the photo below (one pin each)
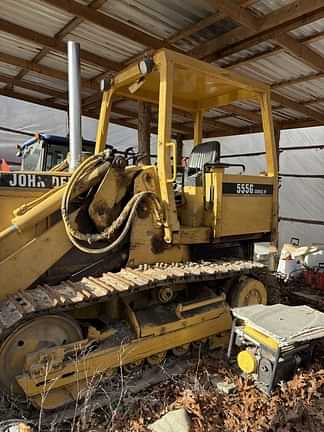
(121, 262)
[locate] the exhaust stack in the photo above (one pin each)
(74, 104)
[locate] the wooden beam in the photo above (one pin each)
(245, 43)
(44, 70)
(294, 81)
(292, 11)
(56, 45)
(23, 97)
(34, 87)
(65, 30)
(297, 106)
(302, 52)
(284, 19)
(246, 114)
(203, 23)
(194, 28)
(233, 9)
(287, 124)
(106, 21)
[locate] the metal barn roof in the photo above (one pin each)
(280, 42)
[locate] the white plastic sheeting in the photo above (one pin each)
(28, 117)
(299, 198)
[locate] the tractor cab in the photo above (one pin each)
(215, 205)
(43, 152)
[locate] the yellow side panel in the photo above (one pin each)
(35, 258)
(10, 199)
(246, 215)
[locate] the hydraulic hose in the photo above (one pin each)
(124, 219)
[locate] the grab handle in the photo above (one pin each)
(174, 164)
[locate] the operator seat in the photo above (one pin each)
(201, 155)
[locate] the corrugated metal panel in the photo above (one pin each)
(244, 54)
(215, 113)
(58, 61)
(234, 121)
(304, 90)
(247, 105)
(105, 43)
(318, 46)
(34, 14)
(43, 80)
(309, 29)
(35, 94)
(288, 114)
(318, 106)
(18, 47)
(277, 68)
(220, 27)
(161, 18)
(8, 69)
(266, 6)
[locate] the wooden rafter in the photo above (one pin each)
(203, 23)
(106, 21)
(234, 10)
(43, 70)
(284, 19)
(276, 50)
(34, 87)
(65, 30)
(251, 23)
(297, 106)
(301, 51)
(194, 28)
(54, 44)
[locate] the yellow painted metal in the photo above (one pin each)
(33, 239)
(193, 85)
(20, 269)
(246, 361)
(248, 291)
(198, 127)
(102, 129)
(173, 148)
(272, 158)
(261, 338)
(100, 361)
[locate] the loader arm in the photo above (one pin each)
(37, 237)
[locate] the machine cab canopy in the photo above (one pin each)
(197, 85)
(176, 82)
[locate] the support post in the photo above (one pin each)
(163, 148)
(144, 131)
(74, 104)
(102, 128)
(198, 127)
(271, 147)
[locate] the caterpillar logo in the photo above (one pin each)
(31, 181)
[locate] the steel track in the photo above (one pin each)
(68, 295)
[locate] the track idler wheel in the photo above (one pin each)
(248, 291)
(32, 336)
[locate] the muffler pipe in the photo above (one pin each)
(75, 131)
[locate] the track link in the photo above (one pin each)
(69, 295)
